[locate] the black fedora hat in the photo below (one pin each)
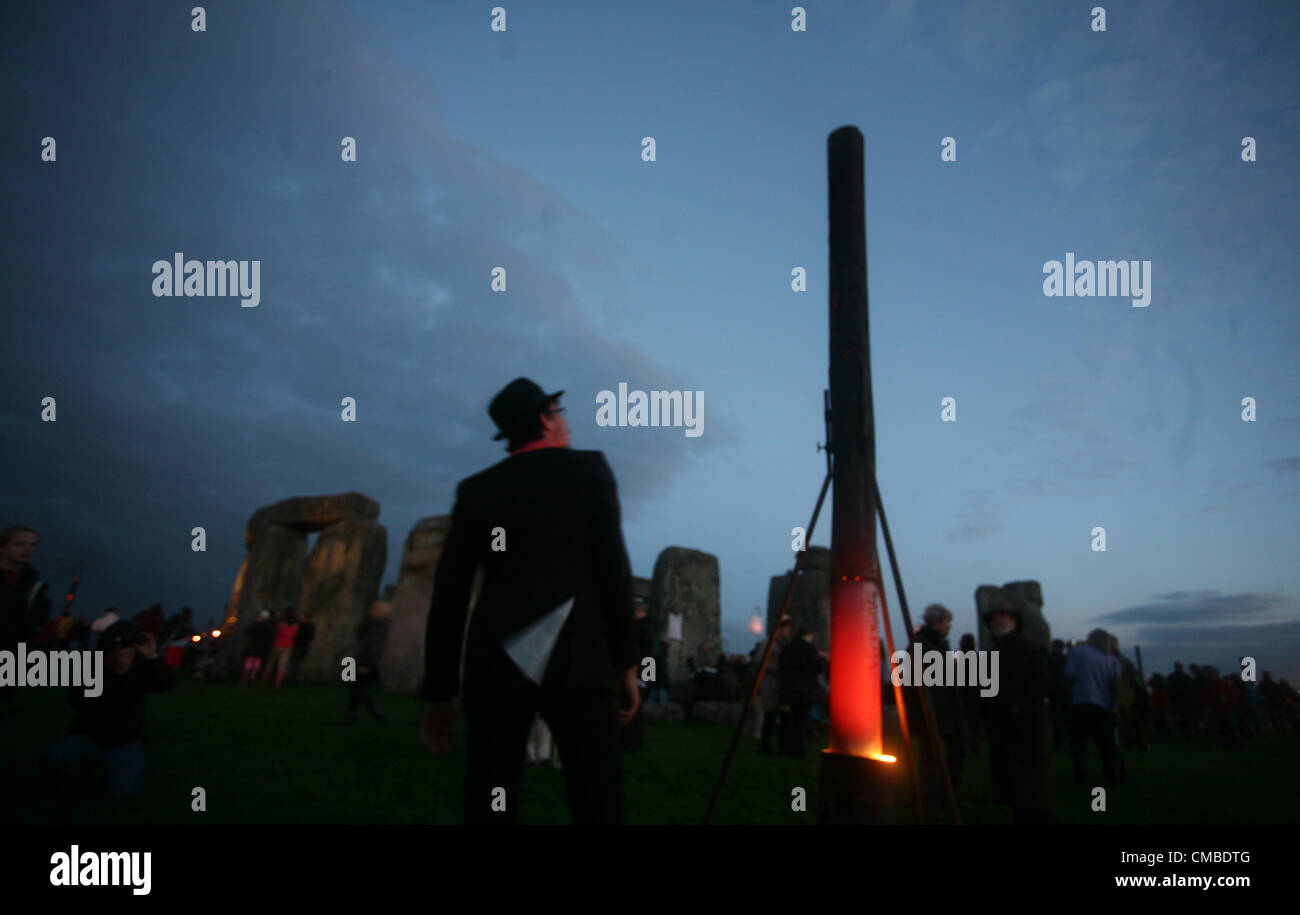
(516, 404)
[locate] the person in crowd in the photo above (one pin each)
(1060, 698)
(286, 632)
(150, 620)
(1093, 673)
(970, 703)
(372, 638)
(105, 747)
(258, 637)
(946, 709)
(1017, 719)
(301, 645)
(643, 638)
(800, 666)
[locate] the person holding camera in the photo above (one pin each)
(106, 740)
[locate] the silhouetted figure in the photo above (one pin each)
(1093, 673)
(643, 638)
(20, 602)
(301, 645)
(150, 620)
(1060, 699)
(800, 667)
(107, 737)
(1180, 700)
(970, 703)
(560, 508)
(946, 707)
(1017, 720)
(372, 637)
(258, 645)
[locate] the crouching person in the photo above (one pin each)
(106, 741)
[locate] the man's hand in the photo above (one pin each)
(629, 696)
(438, 726)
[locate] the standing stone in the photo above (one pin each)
(403, 666)
(340, 583)
(686, 582)
(811, 604)
(1027, 596)
(275, 572)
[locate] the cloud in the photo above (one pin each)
(1284, 465)
(375, 285)
(1196, 606)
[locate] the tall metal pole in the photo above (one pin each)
(857, 782)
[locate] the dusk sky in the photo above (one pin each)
(522, 149)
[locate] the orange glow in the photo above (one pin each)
(194, 638)
(884, 757)
(855, 669)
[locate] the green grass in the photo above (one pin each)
(273, 757)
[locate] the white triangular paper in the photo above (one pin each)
(531, 646)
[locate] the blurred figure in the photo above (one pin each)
(372, 636)
(180, 626)
(800, 666)
(286, 631)
(1093, 673)
(107, 738)
(1180, 700)
(643, 640)
(150, 620)
(1017, 719)
(970, 702)
(20, 601)
(1060, 703)
(301, 645)
(945, 707)
(257, 646)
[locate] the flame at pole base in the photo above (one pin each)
(855, 670)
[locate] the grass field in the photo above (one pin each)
(275, 757)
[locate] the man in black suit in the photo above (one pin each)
(544, 525)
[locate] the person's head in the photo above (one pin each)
(289, 615)
(118, 643)
(967, 642)
(1002, 622)
(786, 629)
(1100, 640)
(113, 612)
(1058, 647)
(638, 609)
(805, 633)
(938, 617)
(380, 609)
(17, 544)
(1178, 665)
(524, 414)
(264, 616)
(186, 613)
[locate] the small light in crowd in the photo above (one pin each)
(756, 624)
(216, 633)
(194, 638)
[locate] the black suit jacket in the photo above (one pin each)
(563, 537)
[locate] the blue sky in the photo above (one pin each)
(523, 149)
